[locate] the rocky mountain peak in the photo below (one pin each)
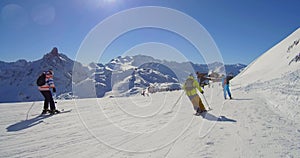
(54, 51)
(53, 54)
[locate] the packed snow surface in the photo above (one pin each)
(161, 125)
(262, 119)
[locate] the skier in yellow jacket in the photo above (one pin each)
(190, 86)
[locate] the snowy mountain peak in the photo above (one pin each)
(21, 62)
(126, 74)
(53, 53)
(56, 58)
(121, 60)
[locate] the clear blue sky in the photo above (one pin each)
(242, 29)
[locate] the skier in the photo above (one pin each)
(201, 78)
(190, 86)
(145, 92)
(45, 90)
(225, 85)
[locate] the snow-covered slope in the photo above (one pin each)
(276, 76)
(161, 125)
(275, 63)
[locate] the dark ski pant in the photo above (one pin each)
(48, 99)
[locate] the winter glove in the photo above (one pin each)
(54, 90)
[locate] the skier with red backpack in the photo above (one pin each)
(45, 83)
(191, 86)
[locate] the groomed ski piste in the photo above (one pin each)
(262, 119)
(154, 126)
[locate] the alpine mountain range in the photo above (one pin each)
(125, 75)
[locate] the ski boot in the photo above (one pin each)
(45, 111)
(198, 111)
(52, 112)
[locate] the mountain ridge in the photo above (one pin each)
(18, 78)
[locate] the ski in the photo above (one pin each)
(60, 112)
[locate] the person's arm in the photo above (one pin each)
(54, 90)
(196, 84)
(51, 84)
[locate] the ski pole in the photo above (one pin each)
(177, 101)
(54, 97)
(206, 101)
(29, 110)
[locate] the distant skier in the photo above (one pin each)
(145, 92)
(225, 85)
(201, 79)
(45, 83)
(190, 86)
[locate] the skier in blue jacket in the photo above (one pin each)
(225, 84)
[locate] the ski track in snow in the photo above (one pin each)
(270, 129)
(251, 127)
(263, 119)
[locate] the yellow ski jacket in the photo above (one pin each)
(193, 91)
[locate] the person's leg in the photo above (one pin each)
(46, 101)
(228, 91)
(224, 91)
(198, 103)
(52, 105)
(195, 105)
(48, 96)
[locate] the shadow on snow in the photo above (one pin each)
(241, 99)
(24, 124)
(211, 117)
